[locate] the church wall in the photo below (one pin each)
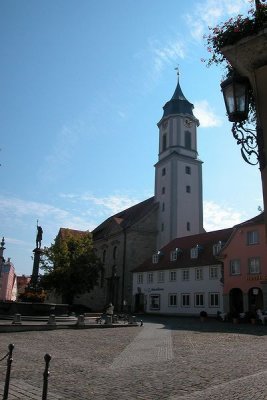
(140, 244)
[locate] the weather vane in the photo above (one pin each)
(178, 72)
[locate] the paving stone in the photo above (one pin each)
(167, 358)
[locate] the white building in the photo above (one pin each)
(183, 278)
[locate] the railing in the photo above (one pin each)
(9, 356)
(8, 370)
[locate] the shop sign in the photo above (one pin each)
(256, 277)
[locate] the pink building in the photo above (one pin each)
(8, 282)
(245, 267)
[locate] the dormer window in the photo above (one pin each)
(195, 251)
(174, 254)
(155, 258)
(217, 248)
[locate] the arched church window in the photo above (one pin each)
(104, 256)
(115, 252)
(187, 140)
(102, 277)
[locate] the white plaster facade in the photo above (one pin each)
(184, 278)
(183, 291)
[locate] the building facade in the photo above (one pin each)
(245, 267)
(183, 278)
(122, 242)
(8, 282)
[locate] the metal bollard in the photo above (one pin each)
(9, 362)
(52, 320)
(47, 358)
(16, 319)
(80, 322)
(108, 320)
(132, 319)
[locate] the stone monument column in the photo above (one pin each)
(37, 255)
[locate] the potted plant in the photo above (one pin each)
(233, 30)
(203, 316)
(253, 317)
(235, 317)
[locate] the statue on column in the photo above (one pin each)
(39, 236)
(37, 254)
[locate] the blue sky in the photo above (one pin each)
(82, 87)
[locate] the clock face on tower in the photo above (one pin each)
(188, 123)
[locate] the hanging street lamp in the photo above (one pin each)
(235, 89)
(236, 97)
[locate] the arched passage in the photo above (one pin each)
(236, 300)
(255, 299)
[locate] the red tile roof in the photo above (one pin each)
(259, 219)
(204, 240)
(63, 232)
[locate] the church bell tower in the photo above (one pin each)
(178, 172)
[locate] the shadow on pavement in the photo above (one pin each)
(210, 325)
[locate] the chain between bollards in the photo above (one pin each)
(8, 370)
(47, 358)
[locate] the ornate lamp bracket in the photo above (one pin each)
(251, 142)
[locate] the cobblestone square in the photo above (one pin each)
(167, 358)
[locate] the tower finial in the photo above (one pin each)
(178, 72)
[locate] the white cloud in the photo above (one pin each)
(212, 12)
(217, 216)
(19, 207)
(109, 205)
(166, 53)
(17, 242)
(20, 212)
(206, 115)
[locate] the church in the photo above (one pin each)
(125, 240)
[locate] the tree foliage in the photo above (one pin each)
(70, 265)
